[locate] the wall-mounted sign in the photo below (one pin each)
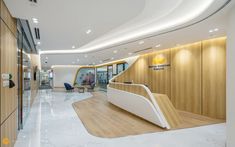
(159, 63)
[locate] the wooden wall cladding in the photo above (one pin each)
(9, 130)
(8, 65)
(7, 18)
(137, 73)
(8, 60)
(186, 77)
(195, 81)
(214, 78)
(159, 81)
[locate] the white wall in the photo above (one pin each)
(64, 74)
(231, 81)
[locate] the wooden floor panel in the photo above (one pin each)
(103, 119)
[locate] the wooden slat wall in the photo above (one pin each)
(195, 81)
(186, 78)
(214, 78)
(160, 81)
(8, 65)
(137, 73)
(8, 59)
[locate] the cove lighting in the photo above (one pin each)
(88, 31)
(154, 26)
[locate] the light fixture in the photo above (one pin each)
(213, 30)
(101, 61)
(35, 20)
(158, 45)
(86, 56)
(46, 58)
(88, 31)
(73, 47)
(112, 58)
(115, 51)
(152, 27)
(130, 53)
(216, 29)
(38, 43)
(141, 42)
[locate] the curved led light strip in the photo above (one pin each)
(132, 35)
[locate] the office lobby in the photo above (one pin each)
(108, 73)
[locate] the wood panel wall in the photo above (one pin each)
(214, 78)
(8, 59)
(186, 77)
(195, 81)
(159, 81)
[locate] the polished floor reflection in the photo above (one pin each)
(53, 122)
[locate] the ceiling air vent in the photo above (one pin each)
(149, 48)
(34, 1)
(37, 33)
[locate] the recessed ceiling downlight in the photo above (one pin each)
(158, 45)
(141, 42)
(88, 31)
(73, 47)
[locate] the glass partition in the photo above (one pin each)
(85, 76)
(102, 80)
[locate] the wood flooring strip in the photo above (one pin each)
(102, 119)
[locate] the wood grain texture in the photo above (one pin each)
(8, 65)
(7, 18)
(186, 77)
(169, 111)
(214, 78)
(139, 90)
(8, 60)
(103, 119)
(160, 80)
(137, 73)
(9, 130)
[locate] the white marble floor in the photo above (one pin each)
(53, 123)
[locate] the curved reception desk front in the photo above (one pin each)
(155, 108)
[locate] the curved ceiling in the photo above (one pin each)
(116, 26)
(63, 23)
(157, 16)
